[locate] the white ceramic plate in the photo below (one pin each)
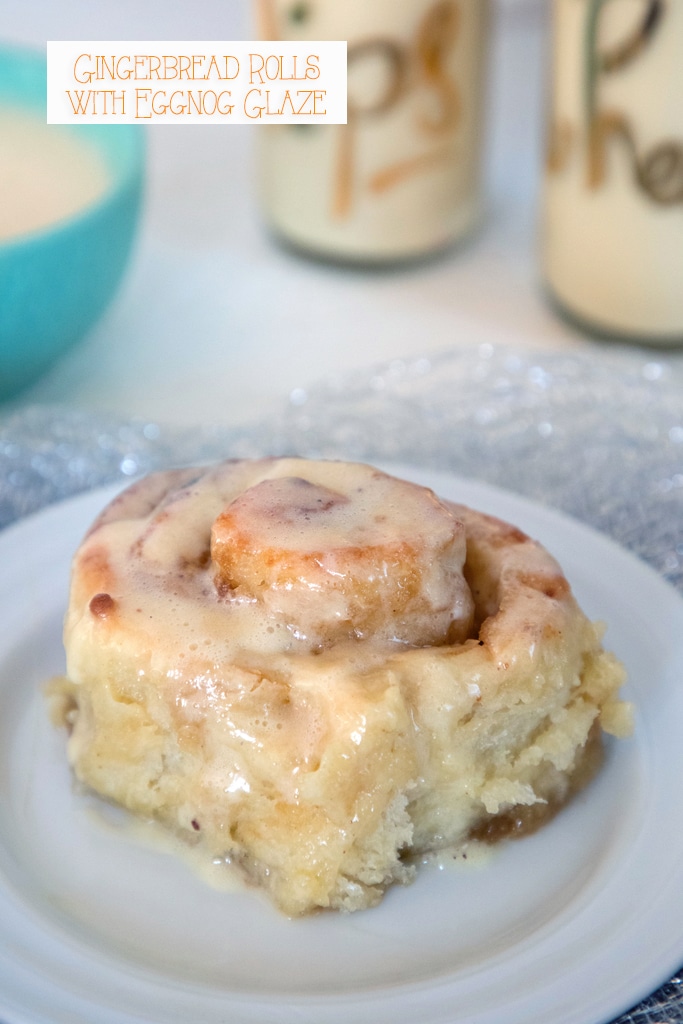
(568, 926)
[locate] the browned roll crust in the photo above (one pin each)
(317, 671)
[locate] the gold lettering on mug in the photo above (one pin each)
(419, 66)
(657, 172)
(436, 39)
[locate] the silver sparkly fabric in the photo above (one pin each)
(597, 434)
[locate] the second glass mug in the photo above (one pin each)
(402, 178)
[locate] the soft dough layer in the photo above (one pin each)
(317, 670)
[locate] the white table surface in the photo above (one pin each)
(215, 323)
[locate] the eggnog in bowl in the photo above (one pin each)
(47, 174)
(70, 198)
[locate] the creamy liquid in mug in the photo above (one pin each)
(46, 174)
(613, 200)
(402, 178)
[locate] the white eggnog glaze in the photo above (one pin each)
(150, 554)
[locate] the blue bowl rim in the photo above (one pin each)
(126, 179)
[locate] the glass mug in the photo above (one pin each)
(612, 236)
(402, 179)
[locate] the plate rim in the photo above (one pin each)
(90, 502)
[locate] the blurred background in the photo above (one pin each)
(216, 322)
(222, 341)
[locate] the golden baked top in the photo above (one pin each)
(300, 555)
(314, 668)
(278, 556)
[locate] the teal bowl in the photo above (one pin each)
(56, 281)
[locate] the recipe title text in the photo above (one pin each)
(206, 83)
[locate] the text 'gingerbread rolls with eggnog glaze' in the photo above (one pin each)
(317, 671)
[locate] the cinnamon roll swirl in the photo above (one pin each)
(317, 671)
